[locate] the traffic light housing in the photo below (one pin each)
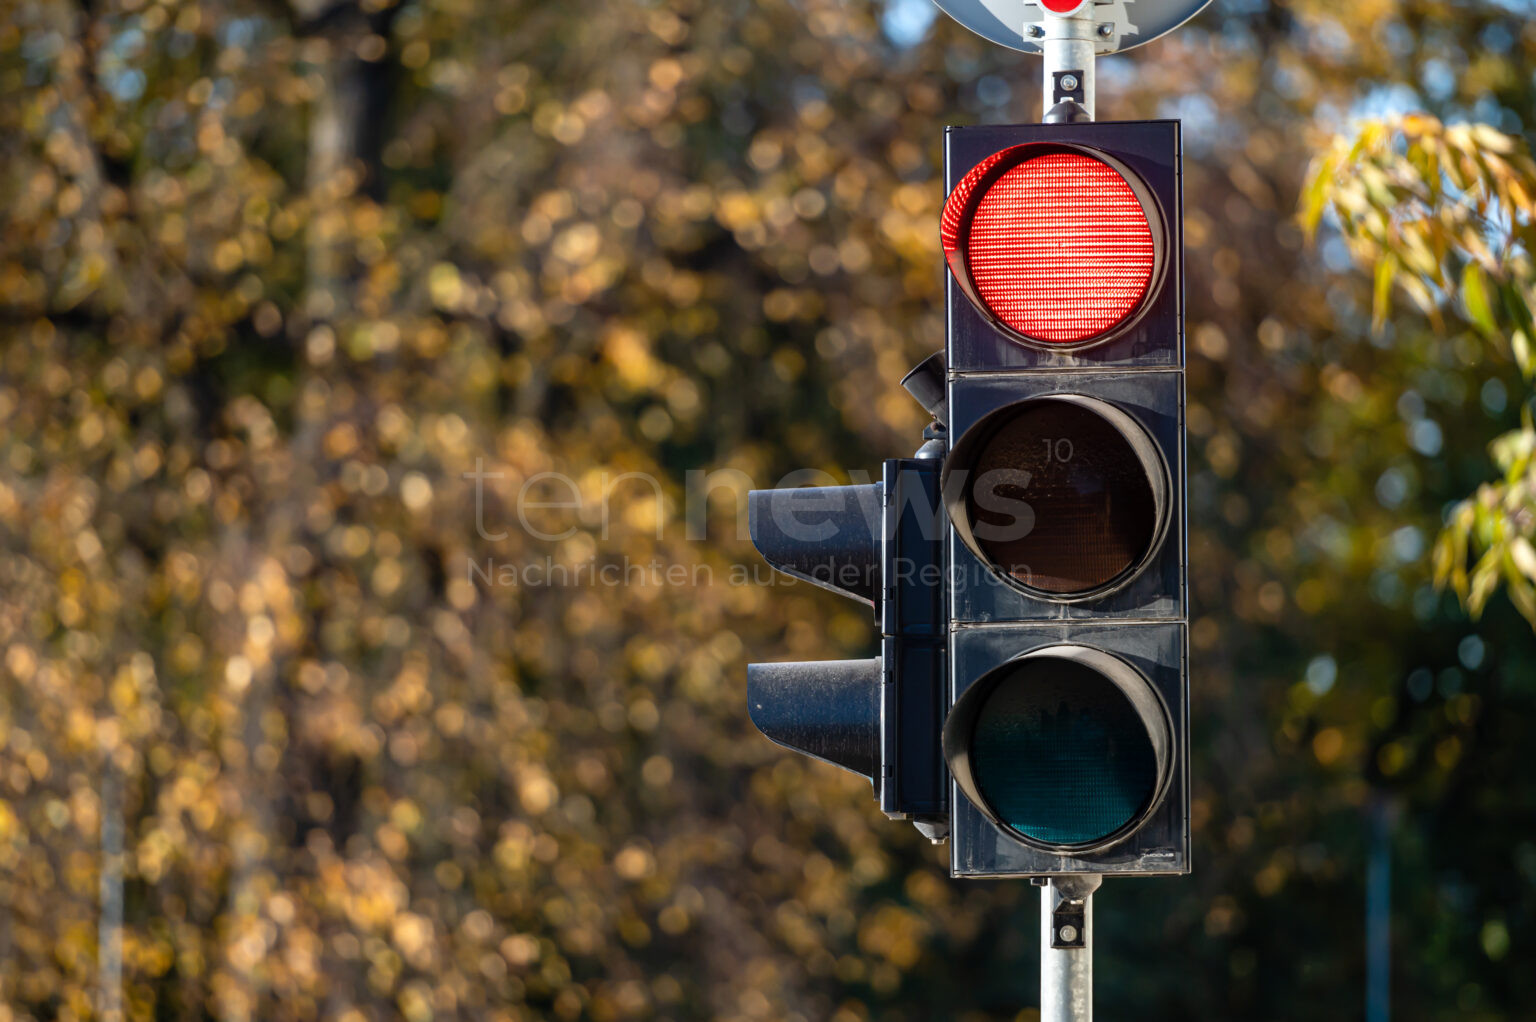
(881, 543)
(1064, 489)
(1028, 568)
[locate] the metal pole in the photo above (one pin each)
(1066, 948)
(1378, 913)
(1068, 44)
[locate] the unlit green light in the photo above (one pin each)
(1061, 755)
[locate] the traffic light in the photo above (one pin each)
(1064, 490)
(1028, 566)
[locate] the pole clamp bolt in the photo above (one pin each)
(1069, 925)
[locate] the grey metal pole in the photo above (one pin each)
(1068, 45)
(1378, 913)
(1066, 948)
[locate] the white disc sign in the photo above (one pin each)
(1131, 22)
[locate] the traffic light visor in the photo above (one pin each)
(1064, 496)
(1060, 246)
(1067, 747)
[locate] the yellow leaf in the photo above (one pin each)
(1474, 295)
(1386, 269)
(1524, 556)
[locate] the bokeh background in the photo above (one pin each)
(277, 277)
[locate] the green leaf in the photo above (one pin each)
(1450, 559)
(1485, 580)
(1520, 314)
(1474, 295)
(1386, 269)
(1315, 191)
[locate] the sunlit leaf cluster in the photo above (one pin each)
(1448, 214)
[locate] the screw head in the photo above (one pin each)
(1069, 84)
(1068, 934)
(1036, 31)
(1106, 30)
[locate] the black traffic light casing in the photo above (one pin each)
(1140, 621)
(1030, 698)
(1159, 845)
(1150, 150)
(913, 783)
(1154, 398)
(881, 543)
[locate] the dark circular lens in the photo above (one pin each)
(1060, 753)
(1062, 499)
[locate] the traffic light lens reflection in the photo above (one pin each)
(1061, 499)
(1061, 755)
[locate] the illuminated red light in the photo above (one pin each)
(1058, 248)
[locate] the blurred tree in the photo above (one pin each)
(300, 301)
(1446, 213)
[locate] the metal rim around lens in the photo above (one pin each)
(1148, 703)
(956, 482)
(1001, 163)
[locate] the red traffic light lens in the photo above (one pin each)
(1056, 245)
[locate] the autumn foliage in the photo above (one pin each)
(306, 306)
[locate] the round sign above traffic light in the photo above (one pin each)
(1060, 246)
(1063, 496)
(1067, 748)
